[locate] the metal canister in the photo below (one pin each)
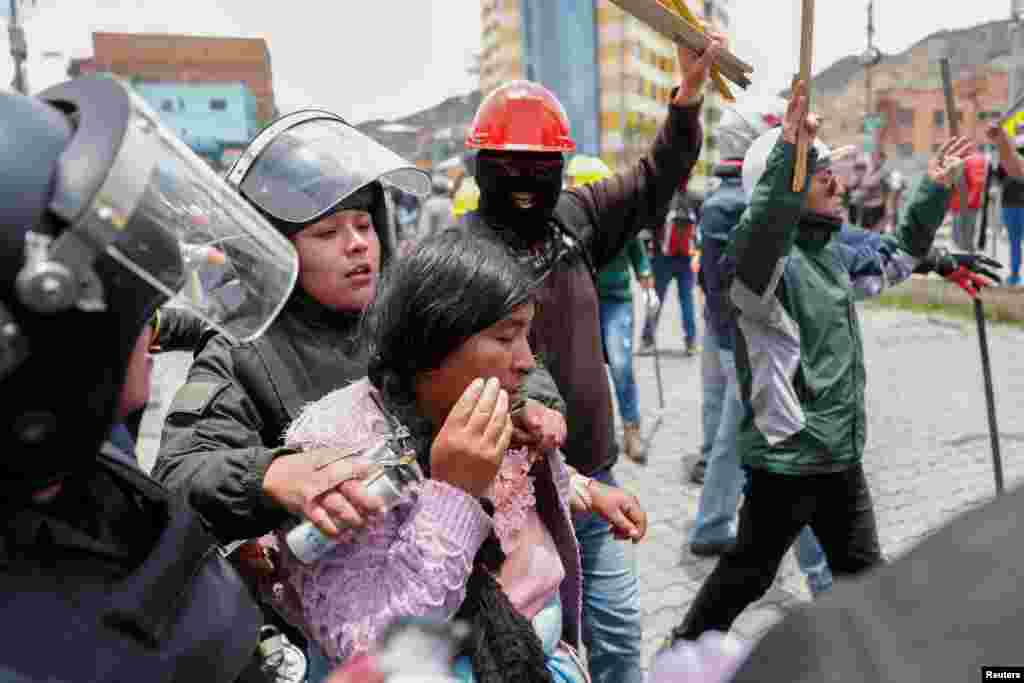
(390, 481)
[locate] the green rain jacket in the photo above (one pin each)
(799, 355)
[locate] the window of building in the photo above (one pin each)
(905, 118)
(905, 150)
(988, 115)
(167, 105)
(936, 147)
(218, 104)
(939, 117)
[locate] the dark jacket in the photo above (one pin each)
(116, 580)
(721, 215)
(592, 224)
(225, 425)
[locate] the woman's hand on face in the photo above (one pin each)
(620, 509)
(472, 442)
(324, 487)
(539, 427)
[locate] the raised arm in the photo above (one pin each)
(609, 213)
(769, 226)
(888, 260)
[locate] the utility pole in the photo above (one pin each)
(872, 56)
(868, 104)
(19, 50)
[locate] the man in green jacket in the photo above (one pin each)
(800, 363)
(615, 290)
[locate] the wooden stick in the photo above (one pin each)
(1011, 112)
(806, 53)
(716, 74)
(678, 30)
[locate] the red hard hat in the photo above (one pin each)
(521, 116)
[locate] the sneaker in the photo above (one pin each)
(646, 347)
(697, 472)
(634, 446)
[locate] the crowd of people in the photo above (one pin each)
(455, 362)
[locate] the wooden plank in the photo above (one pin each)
(676, 29)
(716, 74)
(806, 55)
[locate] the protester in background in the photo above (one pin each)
(467, 198)
(615, 289)
(1009, 173)
(437, 211)
(895, 186)
(407, 213)
(867, 192)
(675, 245)
(965, 219)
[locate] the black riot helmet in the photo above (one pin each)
(94, 194)
(311, 163)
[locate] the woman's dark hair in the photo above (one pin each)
(451, 286)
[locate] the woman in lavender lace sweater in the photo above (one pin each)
(488, 536)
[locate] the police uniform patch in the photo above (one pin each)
(193, 398)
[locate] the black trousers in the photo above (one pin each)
(776, 507)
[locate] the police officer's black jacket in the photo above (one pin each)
(226, 423)
(116, 580)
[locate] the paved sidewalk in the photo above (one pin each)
(927, 456)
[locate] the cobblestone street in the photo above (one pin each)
(927, 457)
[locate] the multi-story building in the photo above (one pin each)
(613, 73)
(906, 92)
(217, 120)
(154, 57)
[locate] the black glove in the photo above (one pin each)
(971, 272)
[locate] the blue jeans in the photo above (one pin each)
(611, 600)
(724, 477)
(318, 666)
(713, 382)
(667, 268)
(1013, 217)
(617, 331)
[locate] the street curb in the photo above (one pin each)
(1002, 304)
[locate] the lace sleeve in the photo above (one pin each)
(415, 562)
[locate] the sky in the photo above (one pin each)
(387, 58)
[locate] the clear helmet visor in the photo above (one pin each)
(301, 171)
(166, 216)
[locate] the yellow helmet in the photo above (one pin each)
(583, 169)
(467, 198)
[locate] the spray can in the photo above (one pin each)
(390, 481)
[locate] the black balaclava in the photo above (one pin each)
(496, 188)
